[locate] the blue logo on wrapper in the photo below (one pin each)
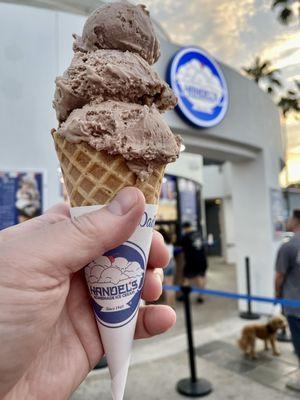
(200, 86)
(115, 282)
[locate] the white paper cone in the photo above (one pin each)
(115, 281)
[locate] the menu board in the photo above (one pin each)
(21, 196)
(167, 210)
(188, 201)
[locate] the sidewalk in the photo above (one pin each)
(218, 359)
(157, 364)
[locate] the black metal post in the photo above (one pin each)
(191, 387)
(248, 314)
(102, 363)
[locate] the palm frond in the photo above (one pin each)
(285, 15)
(275, 81)
(277, 2)
(273, 71)
(297, 83)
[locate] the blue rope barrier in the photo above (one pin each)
(236, 296)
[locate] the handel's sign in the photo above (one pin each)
(200, 86)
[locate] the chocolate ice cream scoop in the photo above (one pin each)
(111, 98)
(136, 132)
(110, 75)
(120, 26)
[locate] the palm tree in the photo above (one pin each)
(262, 71)
(289, 103)
(288, 9)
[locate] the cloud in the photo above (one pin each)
(133, 270)
(93, 270)
(112, 275)
(113, 271)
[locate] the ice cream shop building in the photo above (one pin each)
(227, 177)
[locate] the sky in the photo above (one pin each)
(234, 32)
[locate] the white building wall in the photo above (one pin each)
(213, 182)
(217, 184)
(36, 45)
(229, 234)
(188, 166)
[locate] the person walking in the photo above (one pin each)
(195, 265)
(287, 285)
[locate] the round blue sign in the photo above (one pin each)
(200, 86)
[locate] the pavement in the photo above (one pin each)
(159, 363)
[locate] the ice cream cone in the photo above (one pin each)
(111, 134)
(94, 177)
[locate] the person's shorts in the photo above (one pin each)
(192, 271)
(198, 268)
(170, 268)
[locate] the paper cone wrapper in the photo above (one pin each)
(115, 280)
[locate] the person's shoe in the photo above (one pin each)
(294, 384)
(200, 300)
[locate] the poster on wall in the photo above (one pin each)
(279, 213)
(188, 201)
(167, 209)
(21, 196)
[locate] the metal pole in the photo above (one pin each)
(248, 314)
(248, 283)
(191, 387)
(188, 321)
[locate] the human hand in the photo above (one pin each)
(48, 334)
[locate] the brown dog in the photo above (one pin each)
(265, 332)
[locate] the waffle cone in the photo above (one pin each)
(94, 177)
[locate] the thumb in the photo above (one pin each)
(67, 246)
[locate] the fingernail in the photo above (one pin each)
(123, 202)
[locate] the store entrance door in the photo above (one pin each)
(212, 212)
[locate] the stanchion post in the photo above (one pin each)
(248, 314)
(191, 387)
(102, 363)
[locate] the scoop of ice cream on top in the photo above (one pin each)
(110, 75)
(136, 132)
(121, 26)
(110, 98)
